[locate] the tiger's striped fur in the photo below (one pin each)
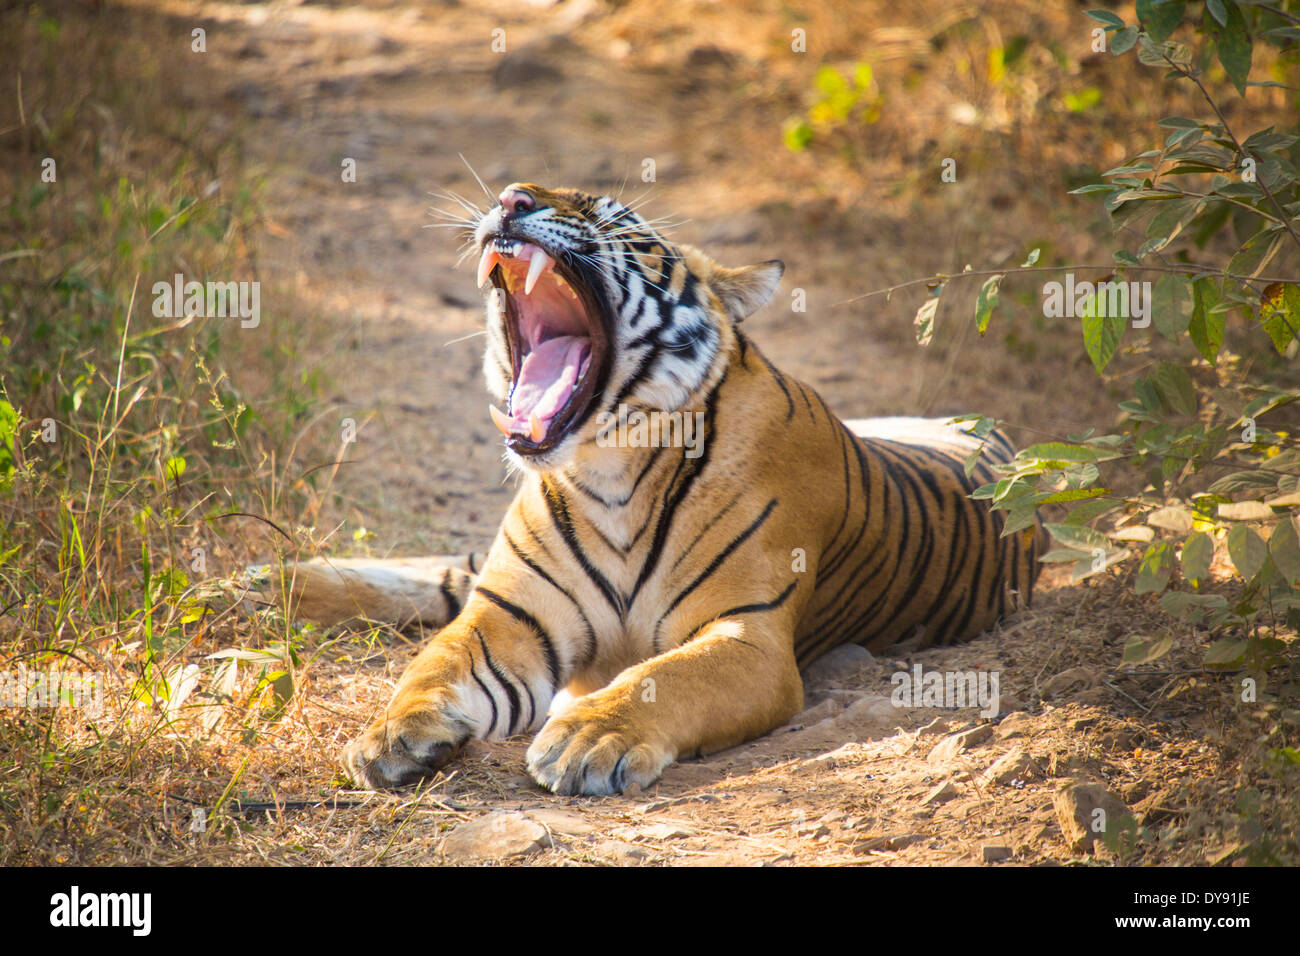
(674, 597)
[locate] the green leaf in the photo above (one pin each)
(1206, 327)
(174, 468)
(1160, 19)
(1279, 313)
(1022, 515)
(1172, 218)
(1234, 46)
(1104, 16)
(1087, 511)
(987, 302)
(1032, 258)
(1171, 306)
(1078, 538)
(1144, 650)
(1251, 259)
(1192, 607)
(1217, 10)
(1123, 40)
(1198, 552)
(1247, 550)
(1227, 654)
(1156, 567)
(1062, 555)
(1073, 494)
(1284, 549)
(1101, 333)
(1163, 54)
(1176, 388)
(1257, 483)
(797, 135)
(1058, 451)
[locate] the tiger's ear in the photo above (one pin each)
(745, 290)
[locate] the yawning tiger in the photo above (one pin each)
(674, 588)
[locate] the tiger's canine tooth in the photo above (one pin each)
(500, 420)
(538, 264)
(536, 427)
(485, 264)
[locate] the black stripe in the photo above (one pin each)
(713, 566)
(848, 500)
(827, 570)
(953, 574)
(703, 531)
(637, 378)
(590, 651)
(671, 508)
(916, 570)
(619, 502)
(448, 595)
(743, 609)
(650, 514)
(512, 695)
(519, 614)
(487, 694)
(804, 395)
(780, 381)
(564, 524)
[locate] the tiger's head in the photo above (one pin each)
(589, 307)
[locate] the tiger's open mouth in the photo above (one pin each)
(558, 343)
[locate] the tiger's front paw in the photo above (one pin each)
(584, 751)
(401, 749)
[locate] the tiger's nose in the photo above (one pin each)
(516, 202)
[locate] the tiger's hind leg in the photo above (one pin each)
(398, 591)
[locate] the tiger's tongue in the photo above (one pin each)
(546, 381)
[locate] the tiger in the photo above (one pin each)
(649, 598)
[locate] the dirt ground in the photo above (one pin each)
(582, 97)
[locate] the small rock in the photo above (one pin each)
(654, 831)
(564, 822)
(867, 710)
(954, 744)
(940, 794)
(895, 841)
(816, 714)
(1018, 724)
(992, 854)
(495, 836)
(1081, 677)
(621, 852)
(1012, 765)
(936, 727)
(678, 801)
(1076, 805)
(844, 756)
(708, 54)
(847, 659)
(813, 831)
